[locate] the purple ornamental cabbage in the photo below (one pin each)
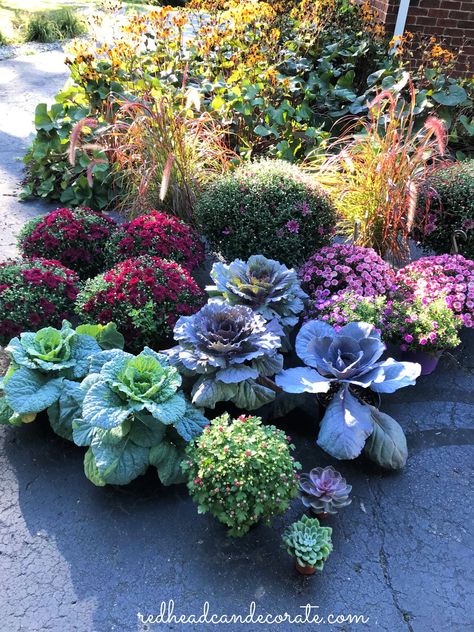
(348, 358)
(324, 491)
(267, 286)
(229, 347)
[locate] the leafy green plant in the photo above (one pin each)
(449, 195)
(241, 471)
(269, 207)
(308, 542)
(44, 373)
(349, 358)
(133, 416)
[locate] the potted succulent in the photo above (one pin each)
(309, 543)
(241, 472)
(324, 491)
(423, 330)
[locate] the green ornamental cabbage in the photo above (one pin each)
(133, 416)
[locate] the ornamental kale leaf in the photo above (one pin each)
(349, 358)
(230, 348)
(265, 285)
(133, 415)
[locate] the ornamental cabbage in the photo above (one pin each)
(44, 365)
(349, 358)
(133, 416)
(267, 286)
(45, 371)
(230, 348)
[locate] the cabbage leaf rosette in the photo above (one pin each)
(133, 416)
(45, 370)
(267, 286)
(350, 358)
(229, 348)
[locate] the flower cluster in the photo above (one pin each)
(451, 276)
(347, 307)
(157, 234)
(418, 325)
(143, 296)
(339, 268)
(75, 237)
(241, 471)
(34, 293)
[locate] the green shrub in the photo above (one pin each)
(241, 472)
(268, 207)
(3, 39)
(451, 208)
(52, 26)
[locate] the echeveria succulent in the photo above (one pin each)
(324, 491)
(229, 347)
(133, 416)
(308, 542)
(44, 366)
(348, 357)
(265, 285)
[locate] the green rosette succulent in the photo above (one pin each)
(308, 542)
(133, 416)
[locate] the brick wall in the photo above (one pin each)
(450, 21)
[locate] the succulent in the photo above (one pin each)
(308, 542)
(265, 285)
(324, 491)
(228, 348)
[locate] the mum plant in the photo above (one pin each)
(265, 285)
(144, 296)
(34, 293)
(349, 307)
(309, 543)
(75, 237)
(270, 207)
(341, 268)
(46, 367)
(133, 416)
(241, 471)
(418, 325)
(347, 359)
(159, 235)
(451, 276)
(449, 192)
(231, 350)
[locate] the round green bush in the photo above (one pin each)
(450, 192)
(269, 207)
(241, 472)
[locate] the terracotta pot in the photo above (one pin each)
(322, 515)
(305, 570)
(428, 361)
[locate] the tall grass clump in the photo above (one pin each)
(375, 177)
(52, 26)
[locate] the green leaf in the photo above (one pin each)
(104, 408)
(167, 459)
(261, 130)
(42, 119)
(91, 471)
(168, 412)
(207, 392)
(119, 463)
(387, 445)
(146, 431)
(454, 95)
(107, 336)
(192, 424)
(67, 408)
(29, 391)
(82, 432)
(250, 395)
